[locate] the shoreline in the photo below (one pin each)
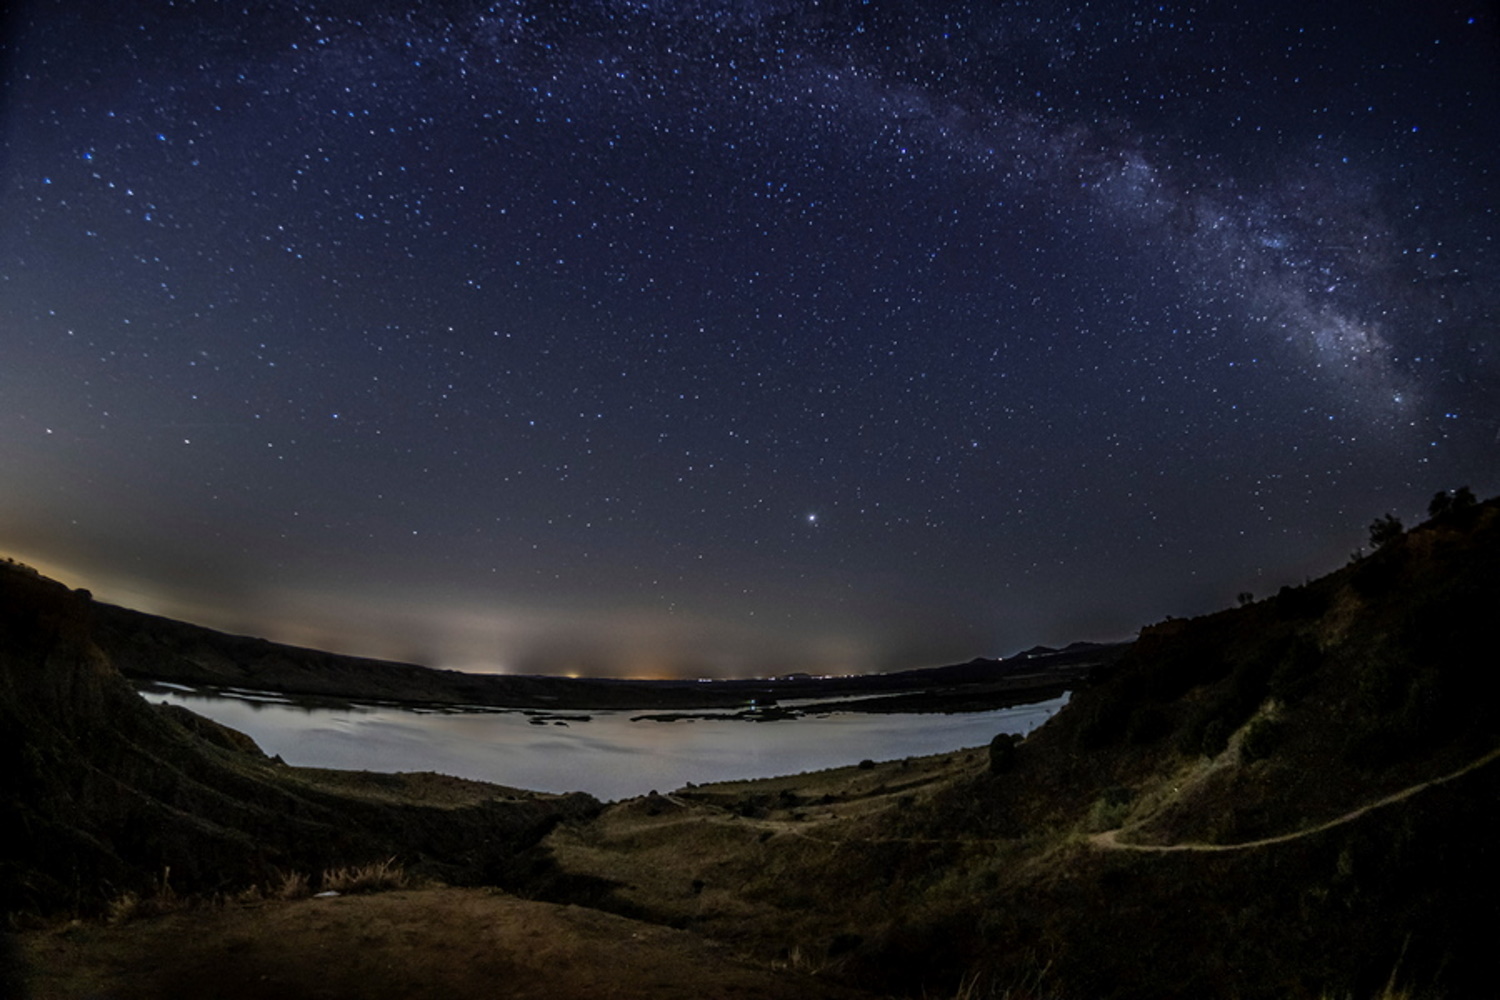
(150, 649)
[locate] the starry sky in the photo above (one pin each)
(726, 338)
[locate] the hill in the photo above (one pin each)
(151, 648)
(105, 794)
(1291, 799)
(1295, 798)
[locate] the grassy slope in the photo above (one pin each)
(930, 875)
(109, 793)
(1257, 722)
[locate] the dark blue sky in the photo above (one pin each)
(736, 337)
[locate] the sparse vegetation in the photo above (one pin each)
(1385, 530)
(160, 898)
(291, 885)
(379, 876)
(1003, 752)
(1206, 814)
(1259, 739)
(1444, 503)
(1109, 810)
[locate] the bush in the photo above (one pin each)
(1109, 810)
(1215, 737)
(1301, 602)
(1444, 503)
(1234, 702)
(1104, 716)
(1292, 677)
(1148, 724)
(1003, 752)
(1384, 530)
(1381, 573)
(1260, 739)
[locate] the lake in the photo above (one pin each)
(609, 755)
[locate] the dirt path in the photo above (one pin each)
(1109, 839)
(431, 943)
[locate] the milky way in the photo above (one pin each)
(736, 337)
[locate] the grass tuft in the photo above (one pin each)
(128, 906)
(122, 909)
(379, 876)
(293, 885)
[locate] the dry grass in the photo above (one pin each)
(292, 885)
(810, 961)
(379, 876)
(128, 906)
(976, 987)
(122, 908)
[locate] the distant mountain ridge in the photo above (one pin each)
(103, 794)
(1293, 799)
(152, 648)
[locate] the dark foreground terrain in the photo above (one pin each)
(1295, 798)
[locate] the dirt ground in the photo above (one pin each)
(459, 943)
(437, 943)
(730, 859)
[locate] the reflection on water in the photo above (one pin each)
(609, 756)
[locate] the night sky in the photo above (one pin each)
(728, 338)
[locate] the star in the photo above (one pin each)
(1060, 306)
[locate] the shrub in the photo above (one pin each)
(1003, 752)
(1148, 723)
(1215, 737)
(1260, 739)
(1379, 574)
(1234, 702)
(1109, 810)
(1292, 677)
(1301, 602)
(1105, 717)
(1444, 503)
(1384, 530)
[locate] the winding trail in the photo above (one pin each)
(1109, 839)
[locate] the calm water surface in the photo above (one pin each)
(609, 756)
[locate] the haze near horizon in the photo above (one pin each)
(684, 339)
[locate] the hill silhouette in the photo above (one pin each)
(1292, 798)
(151, 648)
(110, 795)
(1311, 777)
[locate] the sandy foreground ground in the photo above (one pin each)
(450, 943)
